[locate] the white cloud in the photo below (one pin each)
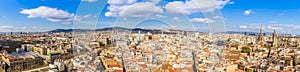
(85, 19)
(143, 9)
(117, 6)
(280, 28)
(243, 27)
(193, 6)
(248, 12)
(33, 26)
(155, 1)
(87, 16)
(273, 22)
(136, 10)
(257, 27)
(160, 16)
(111, 14)
(287, 26)
(273, 28)
(50, 14)
(281, 14)
(202, 20)
(25, 29)
(176, 19)
(6, 27)
(89, 0)
(217, 17)
(79, 18)
(121, 2)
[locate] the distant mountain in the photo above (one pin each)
(3, 32)
(103, 29)
(248, 33)
(143, 30)
(61, 30)
(17, 32)
(135, 30)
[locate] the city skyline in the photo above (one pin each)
(149, 36)
(29, 16)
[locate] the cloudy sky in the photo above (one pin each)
(238, 15)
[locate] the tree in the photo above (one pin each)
(246, 49)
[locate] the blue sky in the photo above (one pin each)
(238, 15)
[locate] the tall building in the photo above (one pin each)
(260, 37)
(274, 38)
(107, 41)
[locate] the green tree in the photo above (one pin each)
(246, 49)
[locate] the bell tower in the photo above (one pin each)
(274, 38)
(260, 37)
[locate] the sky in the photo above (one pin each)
(195, 15)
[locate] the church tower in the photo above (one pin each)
(274, 38)
(260, 37)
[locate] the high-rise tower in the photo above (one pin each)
(274, 38)
(260, 37)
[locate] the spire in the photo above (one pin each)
(260, 37)
(260, 33)
(274, 37)
(260, 30)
